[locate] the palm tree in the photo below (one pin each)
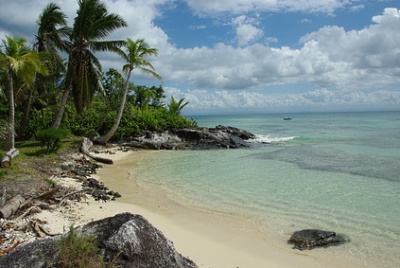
(52, 29)
(175, 107)
(19, 62)
(135, 59)
(92, 24)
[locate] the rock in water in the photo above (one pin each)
(127, 240)
(311, 238)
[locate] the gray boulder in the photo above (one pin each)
(126, 239)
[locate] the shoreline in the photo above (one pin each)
(209, 238)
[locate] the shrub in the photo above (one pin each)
(51, 138)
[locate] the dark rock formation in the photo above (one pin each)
(311, 238)
(127, 240)
(188, 138)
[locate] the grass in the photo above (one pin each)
(31, 167)
(79, 251)
(29, 149)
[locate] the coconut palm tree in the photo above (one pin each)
(21, 63)
(92, 25)
(50, 38)
(135, 54)
(52, 30)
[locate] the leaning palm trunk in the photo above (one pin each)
(105, 138)
(60, 114)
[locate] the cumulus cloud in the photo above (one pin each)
(246, 30)
(329, 57)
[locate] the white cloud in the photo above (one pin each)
(246, 31)
(242, 6)
(329, 57)
(357, 8)
(205, 102)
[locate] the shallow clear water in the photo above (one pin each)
(335, 171)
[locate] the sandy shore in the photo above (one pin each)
(208, 238)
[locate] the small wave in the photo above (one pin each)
(269, 139)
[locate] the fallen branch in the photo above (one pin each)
(33, 209)
(49, 194)
(45, 231)
(85, 147)
(4, 197)
(11, 206)
(73, 193)
(36, 228)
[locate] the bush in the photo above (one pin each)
(51, 138)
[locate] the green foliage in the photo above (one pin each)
(114, 85)
(40, 119)
(175, 107)
(3, 130)
(89, 122)
(51, 138)
(79, 251)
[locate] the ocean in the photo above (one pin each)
(331, 171)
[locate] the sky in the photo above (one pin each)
(254, 56)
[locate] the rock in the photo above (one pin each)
(126, 239)
(189, 138)
(311, 238)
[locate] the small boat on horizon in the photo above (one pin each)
(287, 118)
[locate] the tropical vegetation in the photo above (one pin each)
(58, 81)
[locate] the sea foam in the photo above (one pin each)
(267, 139)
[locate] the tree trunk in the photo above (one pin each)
(105, 138)
(10, 142)
(60, 114)
(25, 118)
(11, 206)
(86, 144)
(6, 161)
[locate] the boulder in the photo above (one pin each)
(126, 239)
(311, 238)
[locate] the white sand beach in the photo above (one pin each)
(209, 238)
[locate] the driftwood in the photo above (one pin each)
(49, 194)
(3, 197)
(85, 147)
(36, 228)
(73, 193)
(11, 206)
(6, 162)
(33, 209)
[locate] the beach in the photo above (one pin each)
(209, 238)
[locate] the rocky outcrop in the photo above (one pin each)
(189, 138)
(311, 238)
(127, 240)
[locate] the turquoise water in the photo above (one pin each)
(335, 171)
